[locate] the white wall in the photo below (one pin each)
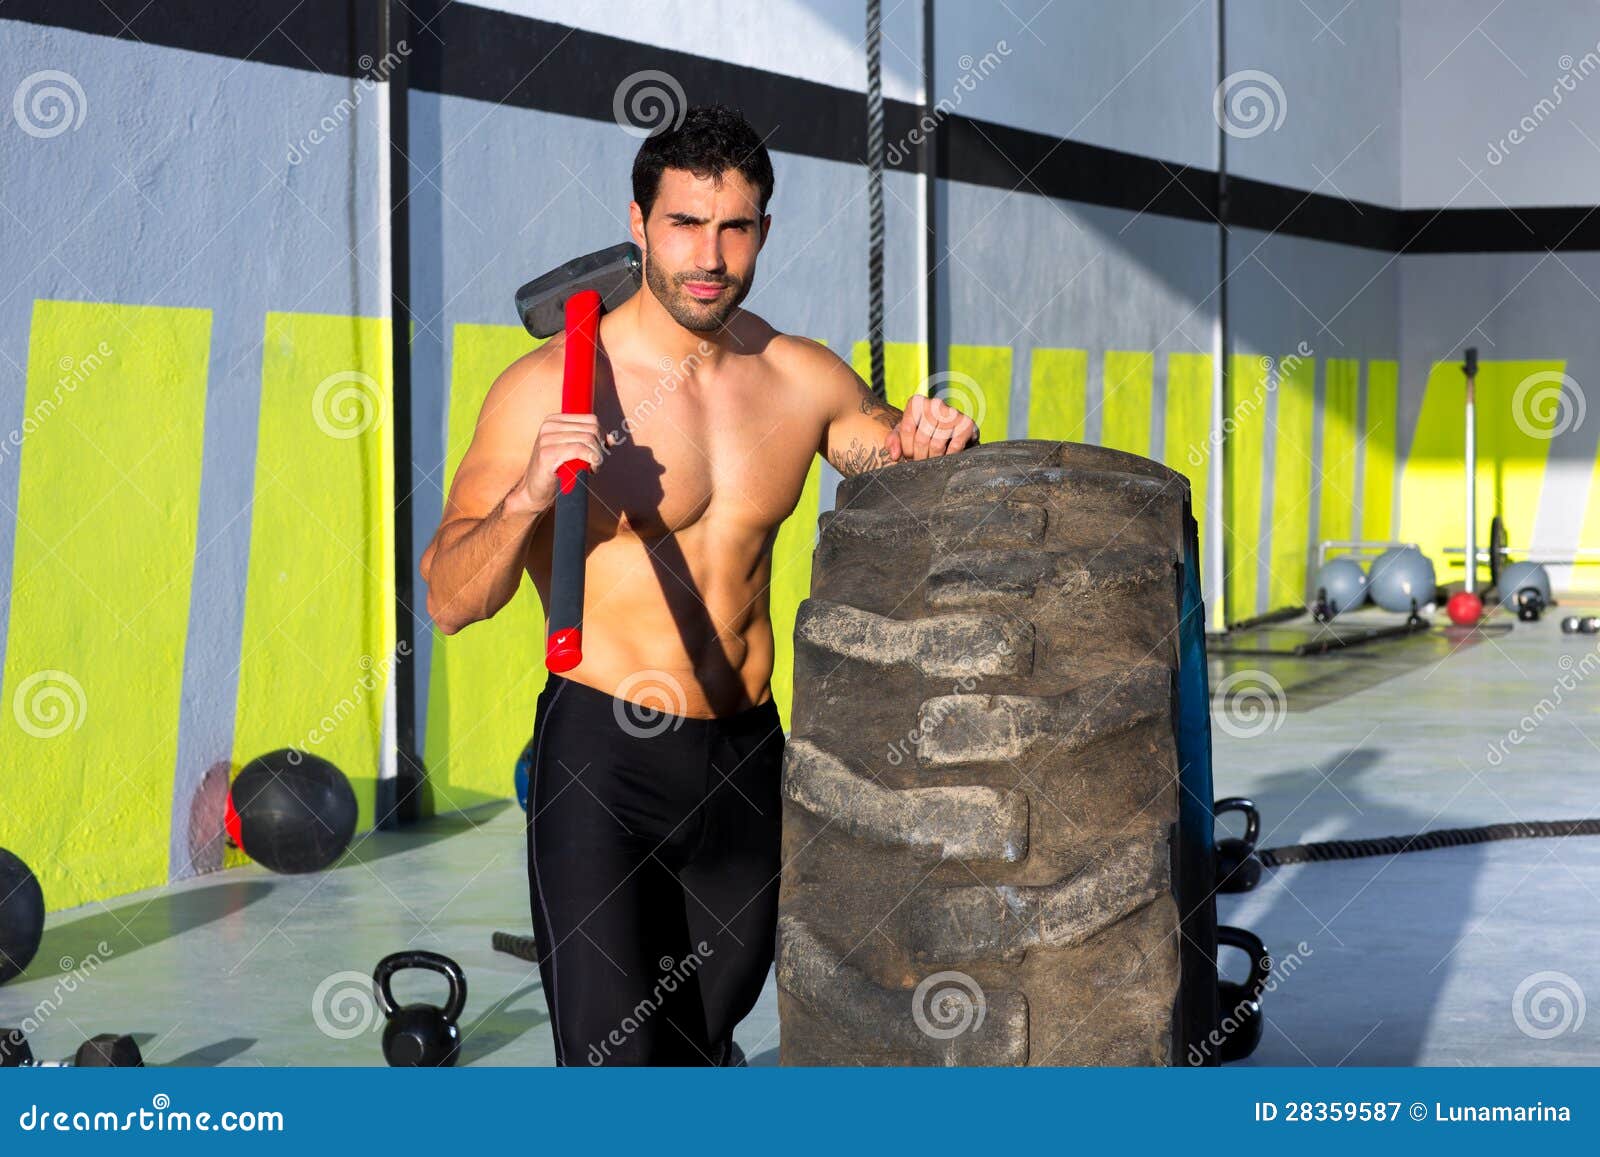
(1338, 68)
(1474, 72)
(1132, 75)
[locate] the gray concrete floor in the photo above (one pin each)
(1415, 959)
(1418, 959)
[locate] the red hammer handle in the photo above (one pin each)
(577, 381)
(564, 637)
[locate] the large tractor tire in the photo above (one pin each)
(997, 798)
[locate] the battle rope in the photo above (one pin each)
(875, 221)
(1423, 841)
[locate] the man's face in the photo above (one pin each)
(700, 245)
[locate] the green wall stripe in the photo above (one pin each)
(107, 509)
(1337, 510)
(1585, 575)
(1379, 430)
(791, 584)
(484, 680)
(1291, 481)
(319, 628)
(1127, 409)
(904, 369)
(1058, 390)
(980, 387)
(1189, 448)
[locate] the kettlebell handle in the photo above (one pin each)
(431, 962)
(1252, 816)
(1260, 960)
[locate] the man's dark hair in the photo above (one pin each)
(711, 140)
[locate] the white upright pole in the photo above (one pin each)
(1470, 369)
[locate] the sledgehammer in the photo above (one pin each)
(572, 297)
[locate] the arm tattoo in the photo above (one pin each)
(874, 406)
(860, 457)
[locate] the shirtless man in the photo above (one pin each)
(653, 847)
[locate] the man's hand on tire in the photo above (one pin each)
(929, 428)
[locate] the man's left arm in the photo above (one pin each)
(864, 433)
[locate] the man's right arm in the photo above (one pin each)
(502, 489)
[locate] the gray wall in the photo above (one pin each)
(1338, 67)
(1134, 76)
(1477, 73)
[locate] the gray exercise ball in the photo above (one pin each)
(1399, 575)
(1516, 575)
(1344, 584)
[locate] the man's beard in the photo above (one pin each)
(694, 315)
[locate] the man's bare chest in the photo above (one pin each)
(731, 450)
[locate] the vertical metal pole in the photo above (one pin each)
(400, 798)
(875, 225)
(1469, 367)
(1217, 605)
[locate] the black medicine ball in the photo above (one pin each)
(294, 812)
(21, 915)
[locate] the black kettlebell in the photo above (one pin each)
(1238, 870)
(421, 1034)
(1530, 604)
(1241, 1003)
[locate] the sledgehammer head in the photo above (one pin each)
(614, 272)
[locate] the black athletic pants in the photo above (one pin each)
(653, 855)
